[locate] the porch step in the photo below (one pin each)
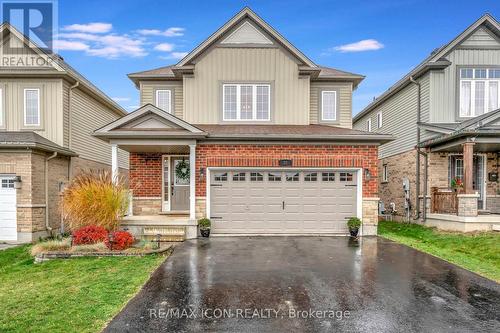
(165, 233)
(483, 212)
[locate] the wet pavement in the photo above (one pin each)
(262, 284)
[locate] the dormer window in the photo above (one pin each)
(479, 91)
(32, 107)
(246, 102)
(328, 105)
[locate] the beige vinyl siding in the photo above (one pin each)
(87, 115)
(344, 94)
(51, 106)
(148, 94)
(444, 86)
(399, 119)
(289, 93)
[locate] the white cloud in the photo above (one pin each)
(178, 55)
(361, 46)
(95, 27)
(70, 45)
(121, 99)
(165, 47)
(170, 32)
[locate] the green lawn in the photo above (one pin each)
(74, 295)
(477, 252)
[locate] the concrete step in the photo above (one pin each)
(165, 233)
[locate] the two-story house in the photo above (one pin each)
(249, 132)
(444, 116)
(48, 112)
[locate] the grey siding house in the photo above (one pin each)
(444, 116)
(48, 112)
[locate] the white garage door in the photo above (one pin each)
(8, 224)
(282, 202)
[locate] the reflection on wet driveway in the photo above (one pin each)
(309, 284)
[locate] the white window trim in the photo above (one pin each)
(473, 82)
(369, 125)
(169, 99)
(385, 172)
(238, 102)
(38, 107)
(379, 119)
(323, 105)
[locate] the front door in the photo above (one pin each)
(180, 183)
(456, 170)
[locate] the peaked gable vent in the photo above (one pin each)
(247, 34)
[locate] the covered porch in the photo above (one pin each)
(463, 187)
(162, 172)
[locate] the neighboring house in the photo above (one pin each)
(448, 107)
(48, 113)
(248, 131)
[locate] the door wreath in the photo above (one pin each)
(182, 170)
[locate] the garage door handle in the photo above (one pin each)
(216, 217)
(215, 184)
(283, 203)
(351, 185)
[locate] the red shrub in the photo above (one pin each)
(89, 235)
(121, 240)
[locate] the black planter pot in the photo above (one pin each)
(205, 232)
(354, 232)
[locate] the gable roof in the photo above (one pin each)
(118, 128)
(244, 14)
(60, 66)
(434, 61)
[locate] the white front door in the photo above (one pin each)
(8, 211)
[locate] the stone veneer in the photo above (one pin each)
(31, 201)
(467, 204)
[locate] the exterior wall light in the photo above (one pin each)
(202, 173)
(368, 175)
(17, 182)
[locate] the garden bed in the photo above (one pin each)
(132, 252)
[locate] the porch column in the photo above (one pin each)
(192, 182)
(468, 165)
(114, 161)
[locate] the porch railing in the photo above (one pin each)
(444, 201)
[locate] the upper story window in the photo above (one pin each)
(379, 120)
(329, 105)
(246, 102)
(163, 99)
(32, 107)
(369, 125)
(479, 91)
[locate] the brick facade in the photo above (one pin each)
(145, 174)
(329, 156)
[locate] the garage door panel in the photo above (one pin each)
(312, 206)
(8, 210)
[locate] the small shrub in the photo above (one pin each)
(354, 222)
(89, 235)
(121, 240)
(204, 223)
(92, 198)
(97, 247)
(51, 245)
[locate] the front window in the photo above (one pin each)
(369, 125)
(379, 120)
(163, 100)
(32, 107)
(329, 105)
(479, 91)
(246, 102)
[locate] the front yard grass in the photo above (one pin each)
(477, 252)
(74, 295)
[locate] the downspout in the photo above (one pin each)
(70, 134)
(47, 159)
(417, 180)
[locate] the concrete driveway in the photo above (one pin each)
(309, 284)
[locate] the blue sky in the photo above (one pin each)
(135, 35)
